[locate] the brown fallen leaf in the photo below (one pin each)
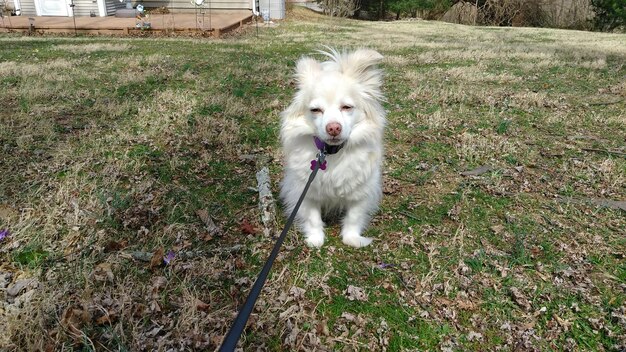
(114, 246)
(519, 298)
(442, 301)
(201, 305)
(564, 323)
(155, 307)
(466, 305)
(138, 310)
(389, 287)
(529, 325)
(158, 284)
(157, 258)
(184, 245)
(203, 214)
(536, 251)
(212, 229)
(109, 318)
(322, 328)
(297, 292)
(240, 263)
(247, 228)
(103, 272)
(73, 320)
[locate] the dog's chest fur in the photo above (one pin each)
(346, 177)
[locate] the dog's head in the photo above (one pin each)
(337, 96)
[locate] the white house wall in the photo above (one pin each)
(113, 5)
(28, 8)
(276, 8)
(85, 8)
(82, 8)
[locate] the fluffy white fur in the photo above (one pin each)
(344, 90)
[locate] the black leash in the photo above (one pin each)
(230, 341)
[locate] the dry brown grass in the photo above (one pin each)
(93, 47)
(478, 149)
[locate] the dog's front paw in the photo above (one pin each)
(357, 241)
(315, 240)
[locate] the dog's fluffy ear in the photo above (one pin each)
(306, 70)
(361, 66)
(359, 62)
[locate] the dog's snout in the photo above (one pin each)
(333, 129)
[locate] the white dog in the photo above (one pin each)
(338, 101)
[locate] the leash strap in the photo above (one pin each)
(230, 341)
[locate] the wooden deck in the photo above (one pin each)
(214, 23)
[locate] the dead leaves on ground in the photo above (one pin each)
(463, 304)
(390, 186)
(107, 318)
(114, 246)
(247, 228)
(209, 225)
(201, 305)
(355, 293)
(157, 258)
(74, 319)
(103, 272)
(519, 298)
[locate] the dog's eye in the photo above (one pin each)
(316, 110)
(346, 107)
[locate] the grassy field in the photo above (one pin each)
(116, 153)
